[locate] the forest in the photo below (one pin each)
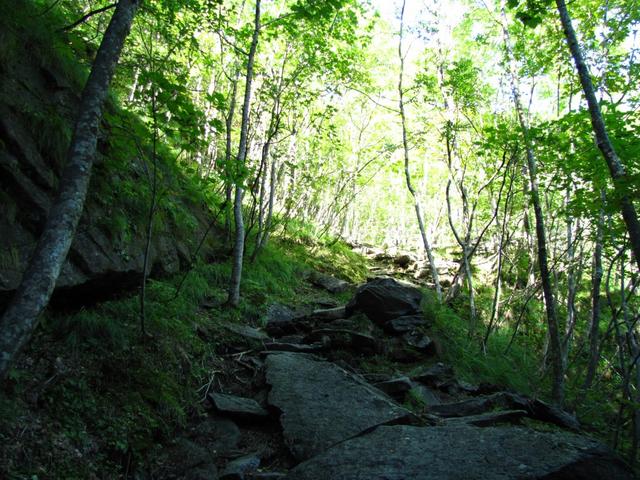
(202, 199)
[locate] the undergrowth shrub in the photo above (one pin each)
(517, 370)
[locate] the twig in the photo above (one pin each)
(87, 16)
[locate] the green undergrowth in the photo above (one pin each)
(343, 261)
(42, 71)
(90, 384)
(515, 369)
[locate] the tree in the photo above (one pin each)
(32, 296)
(616, 168)
(238, 249)
(557, 392)
(407, 173)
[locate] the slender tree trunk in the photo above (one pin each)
(555, 345)
(596, 282)
(466, 254)
(634, 354)
(405, 144)
(495, 306)
(152, 211)
(238, 250)
(616, 169)
(272, 132)
(571, 281)
(228, 189)
(21, 316)
(268, 223)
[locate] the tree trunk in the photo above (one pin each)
(272, 132)
(596, 282)
(572, 283)
(269, 216)
(616, 169)
(152, 211)
(555, 345)
(405, 144)
(228, 189)
(21, 316)
(495, 305)
(238, 249)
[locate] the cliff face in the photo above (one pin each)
(39, 93)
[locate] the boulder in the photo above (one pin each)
(329, 283)
(404, 452)
(346, 339)
(404, 324)
(403, 260)
(419, 341)
(398, 350)
(237, 406)
(188, 460)
(536, 409)
(396, 387)
(107, 253)
(322, 404)
(489, 419)
(247, 332)
(424, 395)
(221, 435)
(383, 299)
(241, 468)
(280, 320)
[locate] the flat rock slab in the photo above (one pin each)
(435, 375)
(383, 299)
(280, 320)
(328, 314)
(294, 347)
(490, 419)
(405, 324)
(237, 406)
(536, 409)
(247, 332)
(322, 404)
(329, 283)
(404, 452)
(346, 339)
(396, 387)
(240, 468)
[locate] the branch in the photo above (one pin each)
(87, 16)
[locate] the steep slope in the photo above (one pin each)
(39, 86)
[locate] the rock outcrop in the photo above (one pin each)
(383, 299)
(332, 417)
(463, 452)
(107, 252)
(322, 404)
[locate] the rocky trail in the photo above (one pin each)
(305, 397)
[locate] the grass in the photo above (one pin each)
(120, 395)
(516, 370)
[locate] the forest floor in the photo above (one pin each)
(322, 390)
(325, 380)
